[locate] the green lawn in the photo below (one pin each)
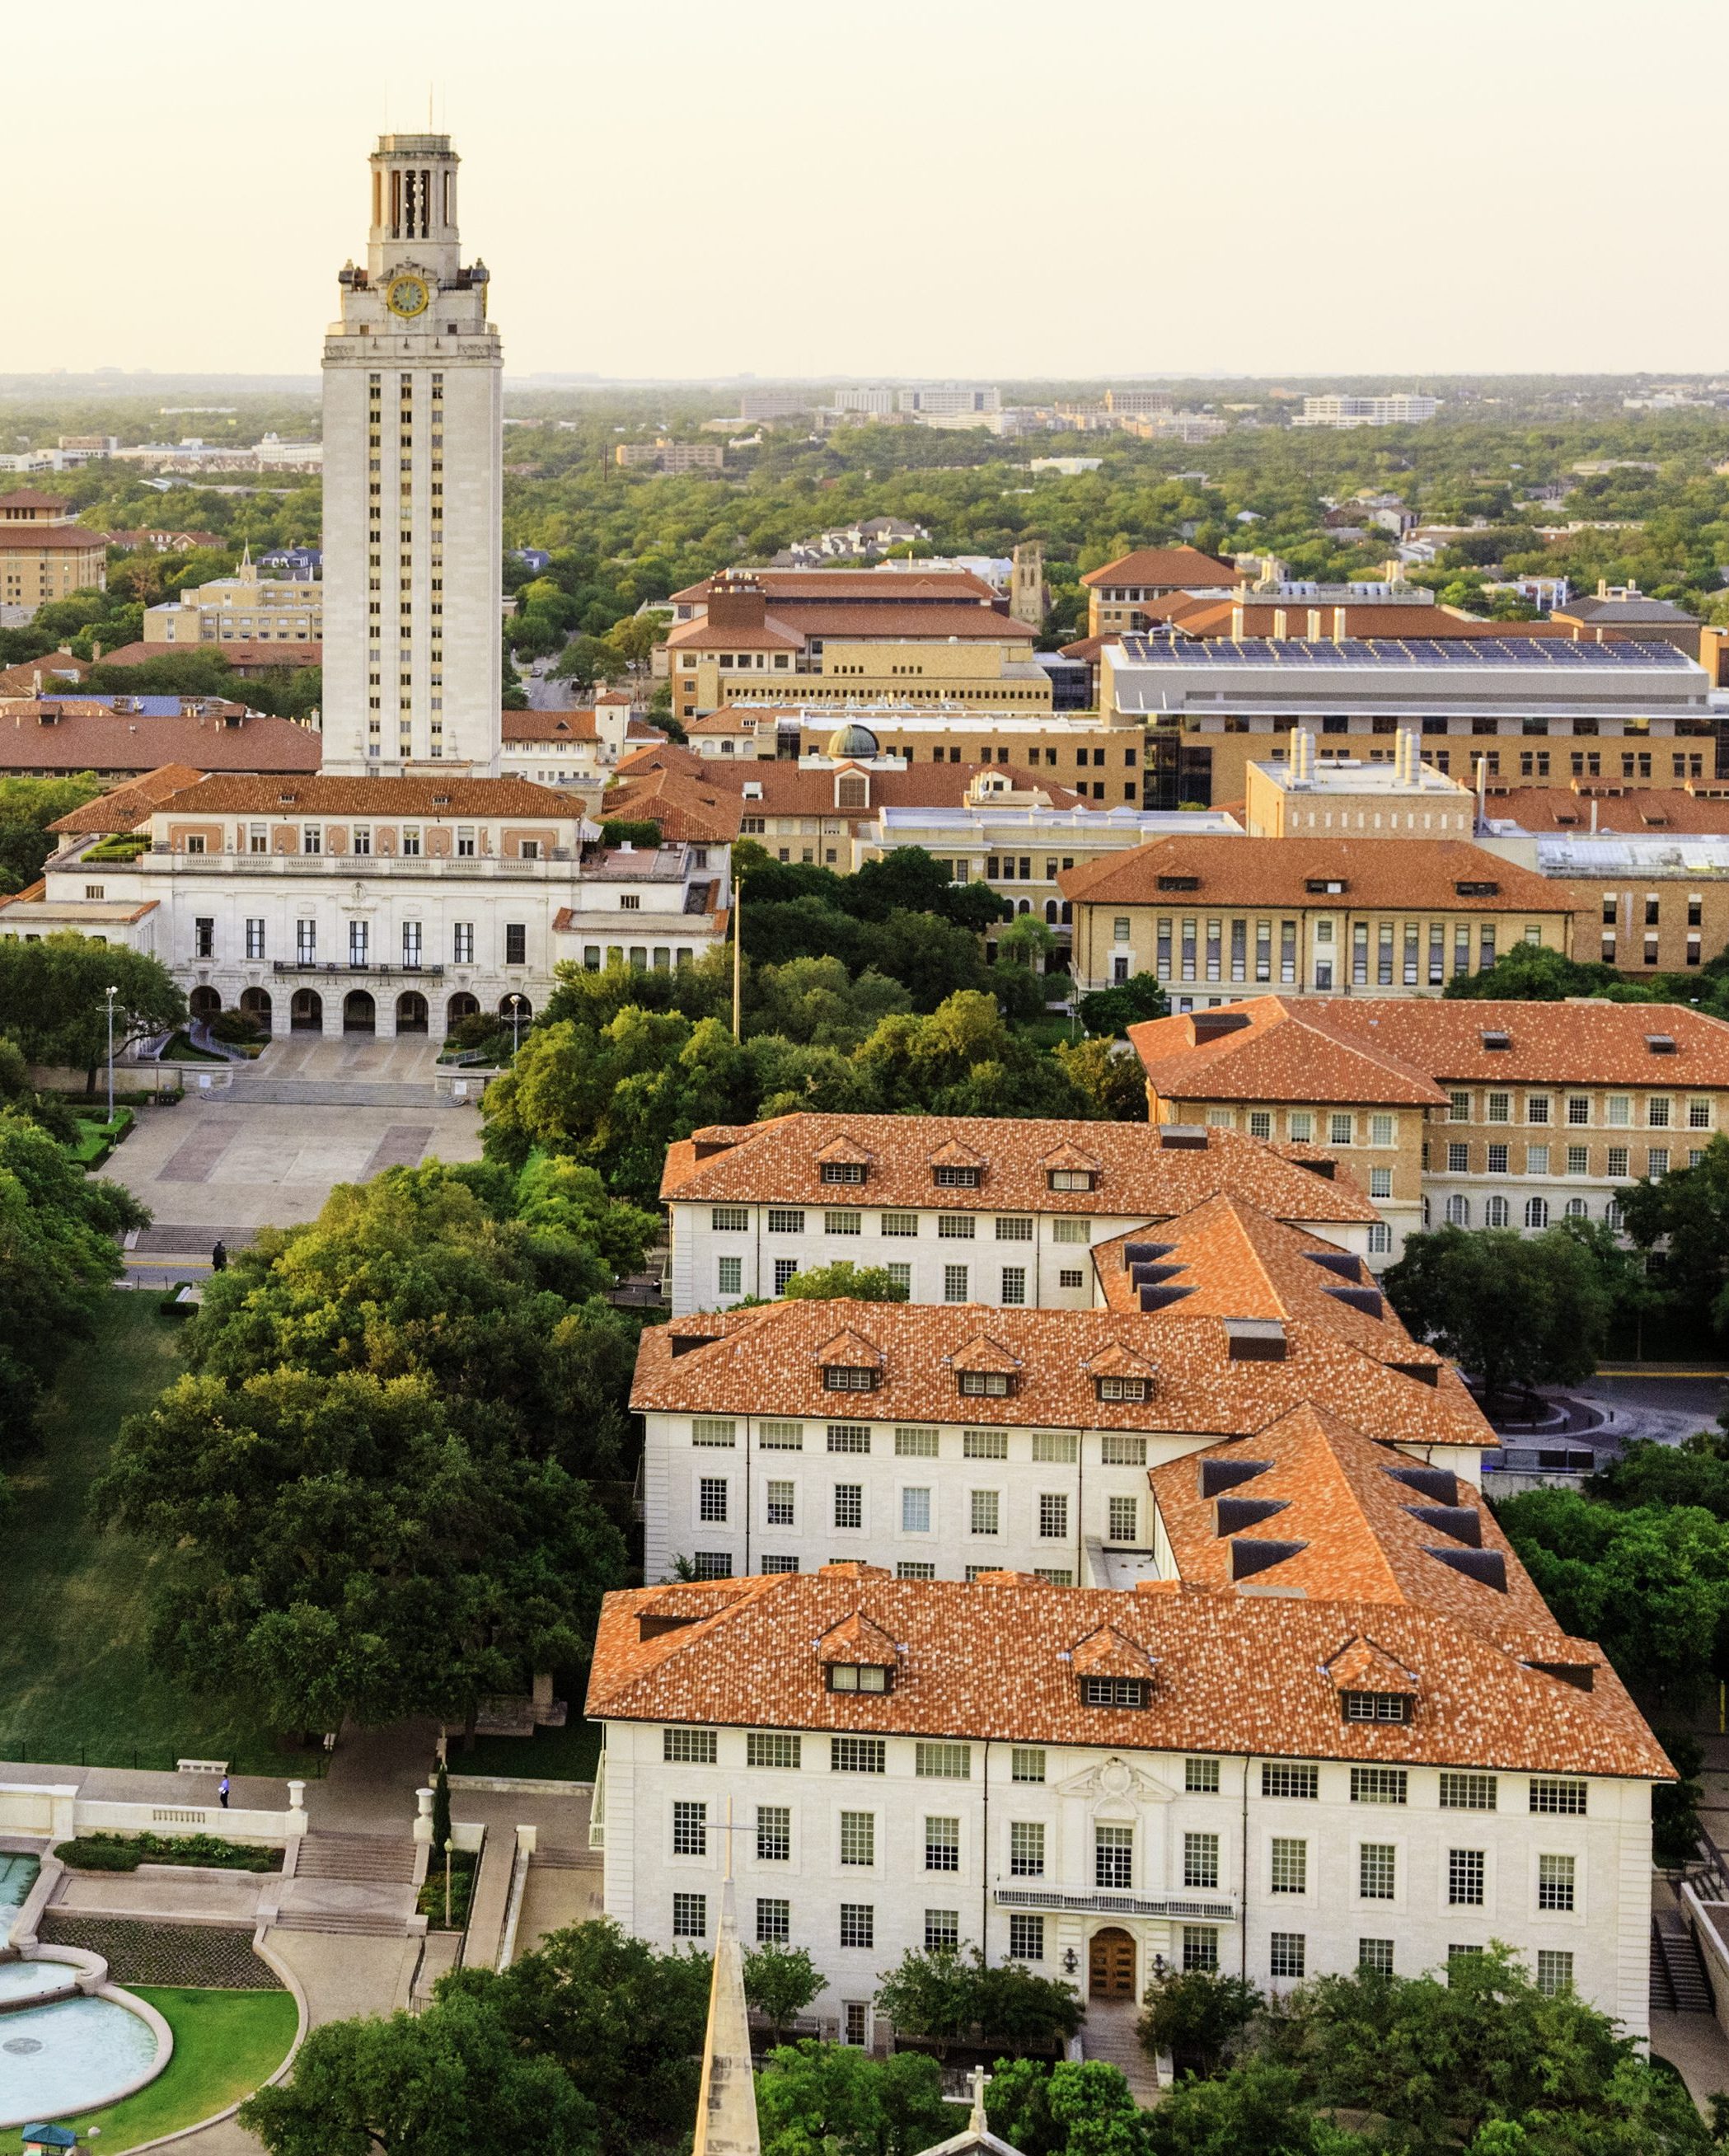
(571, 1754)
(75, 1687)
(226, 2045)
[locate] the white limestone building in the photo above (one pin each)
(413, 484)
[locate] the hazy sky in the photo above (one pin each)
(691, 187)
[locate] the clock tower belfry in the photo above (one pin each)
(412, 486)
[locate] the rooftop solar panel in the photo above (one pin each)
(1456, 653)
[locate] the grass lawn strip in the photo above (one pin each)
(570, 1755)
(75, 1685)
(226, 2045)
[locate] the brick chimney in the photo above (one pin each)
(736, 600)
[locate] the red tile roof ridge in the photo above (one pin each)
(1165, 565)
(1268, 871)
(1284, 1043)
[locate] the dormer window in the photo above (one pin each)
(957, 1179)
(987, 1384)
(843, 1171)
(859, 1676)
(1376, 1705)
(1071, 1178)
(1179, 883)
(1113, 1691)
(848, 1378)
(1120, 1388)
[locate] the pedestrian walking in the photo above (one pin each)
(220, 1257)
(222, 1787)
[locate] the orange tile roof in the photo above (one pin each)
(1165, 565)
(993, 1659)
(1640, 810)
(769, 1361)
(1141, 1177)
(125, 807)
(1285, 1051)
(57, 538)
(686, 808)
(547, 726)
(91, 738)
(54, 668)
(307, 651)
(1375, 872)
(437, 799)
(1573, 1043)
(886, 586)
(702, 635)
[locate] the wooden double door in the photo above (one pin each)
(1111, 1964)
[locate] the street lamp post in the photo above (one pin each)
(515, 1024)
(112, 993)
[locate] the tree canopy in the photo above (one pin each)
(1514, 1310)
(53, 999)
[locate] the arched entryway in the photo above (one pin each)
(204, 1003)
(460, 1006)
(1111, 1964)
(411, 1012)
(360, 1013)
(305, 1011)
(256, 1005)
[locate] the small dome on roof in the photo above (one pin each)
(852, 740)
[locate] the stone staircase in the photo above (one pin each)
(1679, 1982)
(360, 1885)
(374, 1858)
(328, 1093)
(563, 1858)
(1108, 2033)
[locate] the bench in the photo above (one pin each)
(201, 1766)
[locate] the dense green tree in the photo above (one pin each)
(1259, 2107)
(53, 999)
(828, 1283)
(1112, 1084)
(446, 2082)
(1084, 2108)
(963, 1060)
(781, 1982)
(47, 1110)
(1114, 1010)
(28, 806)
(1694, 1472)
(829, 2100)
(1532, 973)
(58, 1256)
(1514, 1310)
(814, 1003)
(949, 1995)
(1198, 2014)
(624, 2022)
(1687, 1212)
(909, 880)
(341, 1550)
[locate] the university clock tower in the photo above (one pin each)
(412, 487)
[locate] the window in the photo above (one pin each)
(1026, 1938)
(1496, 1211)
(1377, 1871)
(1122, 1388)
(1119, 1451)
(1113, 1691)
(956, 1227)
(786, 1220)
(254, 939)
(1497, 1156)
(516, 943)
(1279, 1781)
(1461, 1953)
(1381, 1130)
(1380, 1182)
(690, 1830)
(857, 1838)
(770, 1748)
(1657, 1113)
(1014, 1287)
(1026, 1849)
(1053, 1517)
(1056, 1445)
(1338, 1129)
(984, 1444)
(1465, 1877)
(1377, 1785)
(842, 1170)
(1200, 1947)
(1067, 1231)
(955, 1176)
(843, 1223)
(914, 1568)
(691, 1747)
(1381, 1236)
(1657, 1161)
(858, 1755)
(1375, 1955)
(914, 1512)
(689, 1916)
(1468, 1793)
(711, 1500)
(1578, 1160)
(1200, 1777)
(1459, 1210)
(785, 1270)
(1536, 1160)
(1301, 1125)
(1200, 1860)
(914, 1443)
(1013, 1229)
(730, 1219)
(1548, 1795)
(1459, 1158)
(780, 1436)
(1500, 1108)
(1289, 1869)
(1026, 1763)
(840, 1378)
(729, 1276)
(1554, 1972)
(204, 934)
(849, 1504)
(774, 1922)
(943, 1763)
(779, 1505)
(901, 1224)
(942, 1930)
(1124, 1520)
(1555, 1882)
(1699, 1115)
(1114, 1856)
(849, 1437)
(1288, 1953)
(985, 1511)
(954, 1283)
(858, 1925)
(712, 1564)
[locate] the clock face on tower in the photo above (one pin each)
(407, 296)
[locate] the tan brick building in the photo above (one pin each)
(43, 554)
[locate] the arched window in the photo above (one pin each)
(1612, 1214)
(1537, 1212)
(1425, 1212)
(1050, 913)
(1576, 1209)
(1495, 1213)
(1458, 1212)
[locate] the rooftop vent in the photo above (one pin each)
(1182, 1137)
(1497, 1042)
(1321, 1167)
(1488, 1567)
(1143, 1254)
(1179, 883)
(1369, 1300)
(1464, 1522)
(1471, 888)
(1345, 1263)
(1439, 1485)
(1249, 1556)
(1326, 884)
(1425, 1374)
(1582, 1675)
(655, 1624)
(1218, 1475)
(1233, 1514)
(1209, 1025)
(1256, 1339)
(441, 801)
(1150, 1275)
(1159, 1297)
(1660, 1043)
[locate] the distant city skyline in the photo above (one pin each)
(1347, 192)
